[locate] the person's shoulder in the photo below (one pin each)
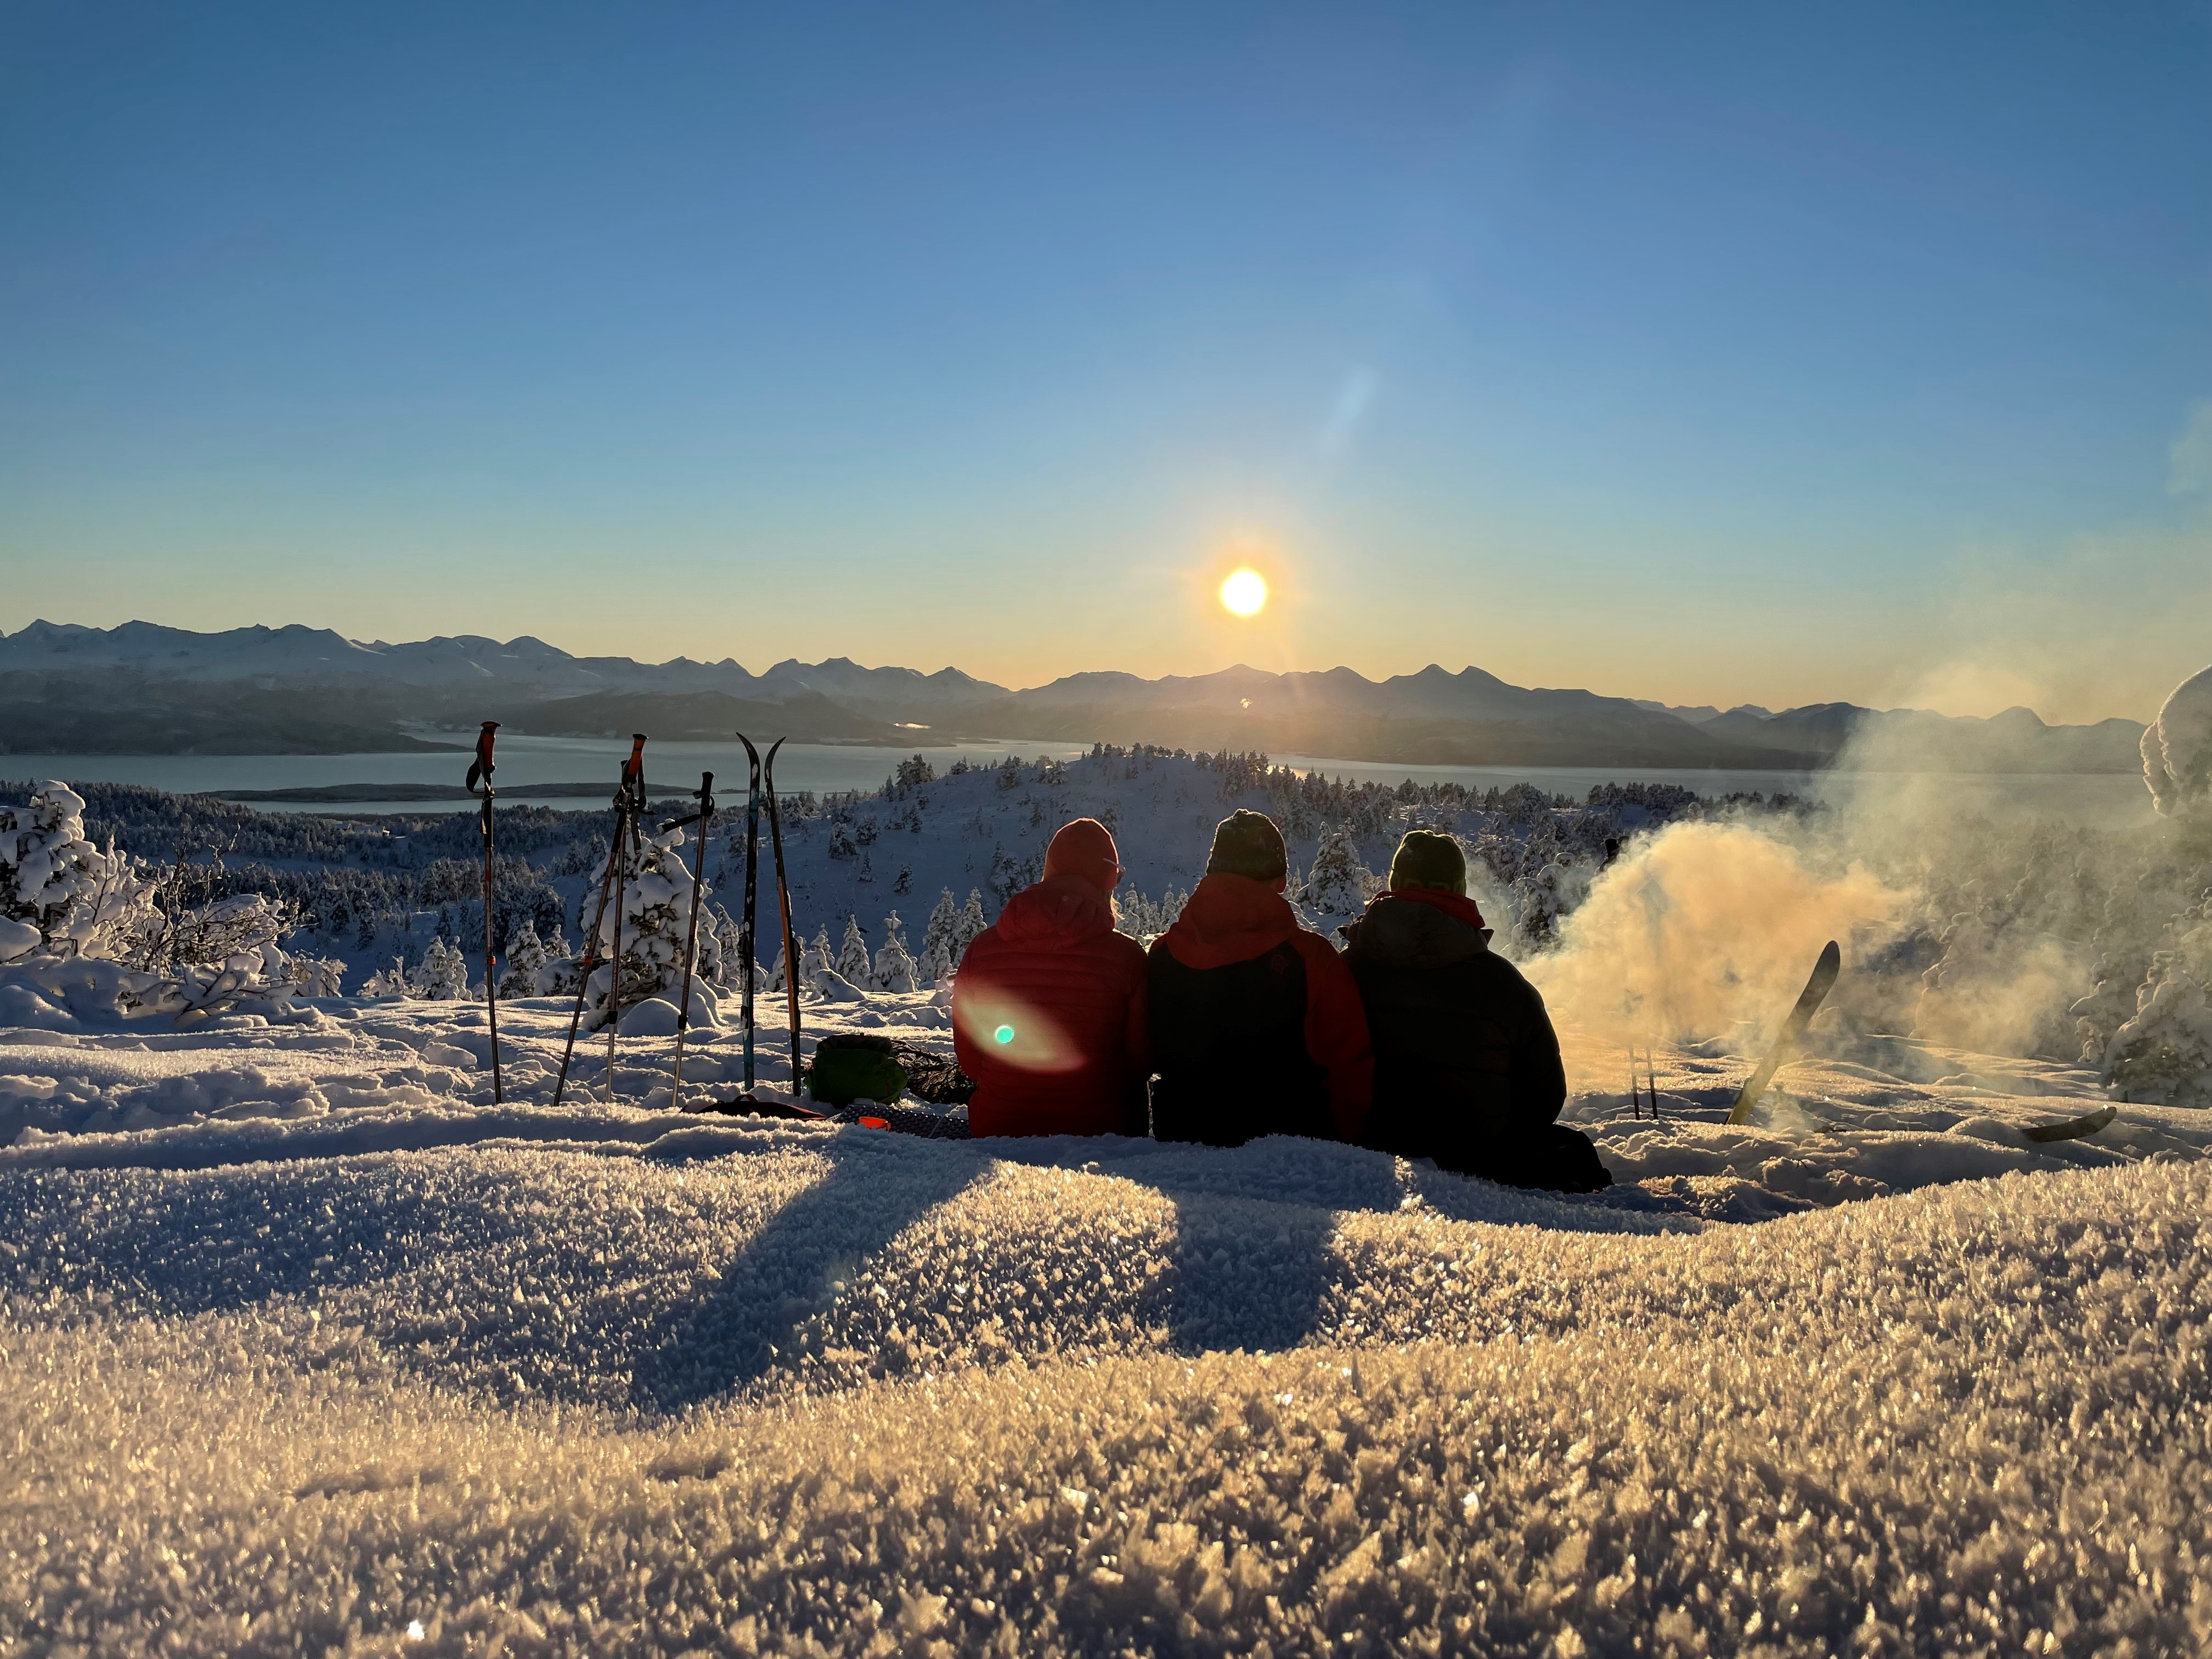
(1121, 950)
(1318, 952)
(1503, 978)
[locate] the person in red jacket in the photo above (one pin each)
(1257, 1025)
(1049, 1006)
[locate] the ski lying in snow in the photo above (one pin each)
(2075, 1128)
(897, 1119)
(1793, 1030)
(750, 1105)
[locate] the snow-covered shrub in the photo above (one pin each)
(2176, 751)
(392, 983)
(245, 924)
(315, 976)
(2164, 1054)
(80, 900)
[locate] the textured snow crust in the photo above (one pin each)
(810, 1391)
(306, 1344)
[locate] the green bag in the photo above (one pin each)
(851, 1066)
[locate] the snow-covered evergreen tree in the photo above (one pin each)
(656, 912)
(526, 957)
(814, 960)
(970, 923)
(719, 962)
(937, 935)
(1338, 885)
(894, 968)
(445, 974)
(933, 969)
(853, 959)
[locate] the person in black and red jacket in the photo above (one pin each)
(1256, 1025)
(1467, 1066)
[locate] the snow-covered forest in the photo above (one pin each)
(368, 892)
(2032, 939)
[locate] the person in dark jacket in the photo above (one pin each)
(1467, 1066)
(1257, 1026)
(1049, 1004)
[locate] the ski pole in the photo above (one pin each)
(626, 834)
(702, 817)
(746, 935)
(481, 768)
(591, 962)
(783, 905)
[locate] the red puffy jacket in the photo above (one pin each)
(1048, 1017)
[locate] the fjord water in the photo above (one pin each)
(2108, 800)
(670, 769)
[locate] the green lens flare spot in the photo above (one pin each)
(1004, 1034)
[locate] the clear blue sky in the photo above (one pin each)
(1766, 353)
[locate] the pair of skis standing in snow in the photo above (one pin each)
(629, 804)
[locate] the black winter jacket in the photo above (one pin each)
(1467, 1064)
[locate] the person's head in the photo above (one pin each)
(1426, 858)
(1085, 848)
(1248, 844)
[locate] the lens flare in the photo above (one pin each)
(1245, 592)
(1004, 1034)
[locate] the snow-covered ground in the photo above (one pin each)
(307, 1345)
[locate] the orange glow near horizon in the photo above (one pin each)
(1245, 592)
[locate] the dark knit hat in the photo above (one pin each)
(1248, 844)
(1426, 858)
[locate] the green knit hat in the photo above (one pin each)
(1248, 844)
(1426, 858)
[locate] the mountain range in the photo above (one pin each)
(143, 688)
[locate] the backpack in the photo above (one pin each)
(853, 1065)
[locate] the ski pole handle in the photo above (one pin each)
(481, 767)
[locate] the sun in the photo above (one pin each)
(1245, 592)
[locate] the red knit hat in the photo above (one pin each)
(1085, 847)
